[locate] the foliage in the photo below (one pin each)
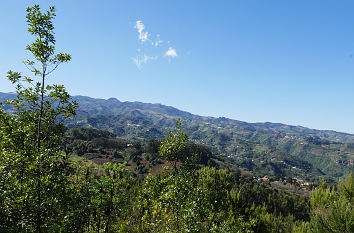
(100, 203)
(172, 146)
(32, 165)
(332, 211)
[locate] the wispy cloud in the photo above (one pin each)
(158, 41)
(140, 60)
(171, 52)
(143, 36)
(154, 46)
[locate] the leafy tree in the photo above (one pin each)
(32, 166)
(171, 147)
(100, 202)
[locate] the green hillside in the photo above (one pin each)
(263, 148)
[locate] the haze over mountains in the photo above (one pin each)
(264, 148)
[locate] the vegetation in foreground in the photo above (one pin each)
(43, 190)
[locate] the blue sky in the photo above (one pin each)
(280, 61)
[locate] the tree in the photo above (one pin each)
(172, 146)
(32, 166)
(332, 211)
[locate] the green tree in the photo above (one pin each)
(172, 146)
(101, 198)
(32, 166)
(168, 202)
(332, 211)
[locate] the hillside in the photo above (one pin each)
(264, 148)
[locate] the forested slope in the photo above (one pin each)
(264, 148)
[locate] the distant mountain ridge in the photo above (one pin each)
(112, 106)
(264, 148)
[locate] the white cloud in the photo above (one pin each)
(143, 36)
(142, 59)
(157, 43)
(171, 52)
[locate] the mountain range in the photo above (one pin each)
(264, 148)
